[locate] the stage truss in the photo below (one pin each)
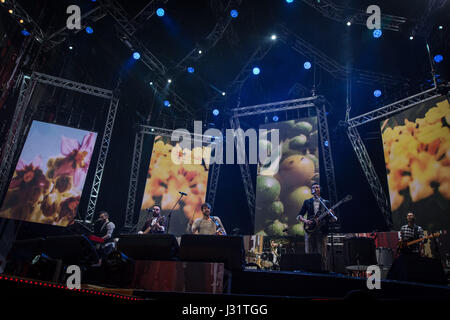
(316, 102)
(361, 151)
(19, 126)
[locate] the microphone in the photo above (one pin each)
(182, 193)
(150, 210)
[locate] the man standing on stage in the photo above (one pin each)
(410, 232)
(157, 224)
(208, 224)
(315, 242)
(104, 229)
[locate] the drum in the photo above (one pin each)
(265, 264)
(359, 251)
(251, 257)
(385, 256)
(266, 260)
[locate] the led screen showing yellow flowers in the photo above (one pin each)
(166, 178)
(416, 147)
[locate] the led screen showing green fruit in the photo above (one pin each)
(280, 193)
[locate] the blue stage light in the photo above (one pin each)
(190, 69)
(307, 65)
(275, 118)
(136, 55)
(326, 143)
(25, 33)
(377, 93)
(160, 12)
(438, 58)
(89, 30)
(377, 33)
(166, 103)
(289, 1)
(256, 71)
(234, 13)
(216, 112)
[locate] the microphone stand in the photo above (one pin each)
(331, 233)
(170, 213)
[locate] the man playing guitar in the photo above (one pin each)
(208, 224)
(315, 242)
(157, 224)
(410, 232)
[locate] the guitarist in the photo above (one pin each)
(208, 224)
(315, 242)
(410, 232)
(156, 224)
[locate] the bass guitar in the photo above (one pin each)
(403, 246)
(319, 218)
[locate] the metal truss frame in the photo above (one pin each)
(236, 85)
(17, 128)
(308, 102)
(361, 151)
(15, 132)
(132, 187)
(18, 11)
(212, 38)
(101, 162)
(126, 29)
(135, 168)
(60, 35)
(343, 14)
(395, 107)
(245, 170)
(333, 67)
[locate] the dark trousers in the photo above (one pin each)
(317, 243)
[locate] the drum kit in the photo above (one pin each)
(360, 253)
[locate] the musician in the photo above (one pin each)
(104, 229)
(410, 232)
(156, 224)
(208, 224)
(315, 242)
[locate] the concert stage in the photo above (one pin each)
(247, 286)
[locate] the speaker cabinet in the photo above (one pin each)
(149, 246)
(410, 267)
(206, 248)
(304, 262)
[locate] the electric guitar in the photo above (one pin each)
(318, 219)
(403, 245)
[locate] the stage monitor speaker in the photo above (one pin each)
(304, 262)
(149, 246)
(211, 248)
(71, 249)
(410, 267)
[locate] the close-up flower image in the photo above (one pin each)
(47, 188)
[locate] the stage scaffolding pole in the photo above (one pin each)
(132, 187)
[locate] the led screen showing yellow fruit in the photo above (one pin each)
(49, 177)
(166, 178)
(416, 147)
(280, 193)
